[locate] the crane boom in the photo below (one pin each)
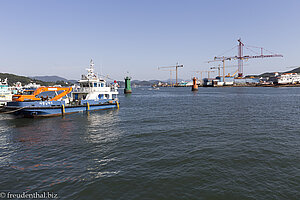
(176, 69)
(241, 57)
(33, 95)
(245, 57)
(263, 56)
(170, 70)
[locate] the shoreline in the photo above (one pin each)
(250, 85)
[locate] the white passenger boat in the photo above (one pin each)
(93, 94)
(5, 92)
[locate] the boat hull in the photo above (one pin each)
(5, 98)
(56, 110)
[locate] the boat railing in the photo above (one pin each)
(92, 89)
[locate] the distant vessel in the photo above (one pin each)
(154, 87)
(93, 94)
(5, 92)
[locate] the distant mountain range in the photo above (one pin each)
(296, 70)
(47, 81)
(12, 78)
(57, 80)
(121, 83)
(268, 74)
(52, 79)
(49, 78)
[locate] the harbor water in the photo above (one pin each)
(171, 143)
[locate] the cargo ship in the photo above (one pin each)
(93, 94)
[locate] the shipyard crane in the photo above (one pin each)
(201, 72)
(219, 69)
(240, 57)
(170, 70)
(171, 67)
(223, 61)
(204, 71)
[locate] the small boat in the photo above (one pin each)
(5, 92)
(93, 94)
(154, 87)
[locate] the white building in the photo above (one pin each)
(32, 85)
(289, 78)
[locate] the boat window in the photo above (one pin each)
(84, 85)
(91, 84)
(95, 84)
(28, 92)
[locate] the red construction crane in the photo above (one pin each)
(242, 57)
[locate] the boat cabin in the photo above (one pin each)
(93, 88)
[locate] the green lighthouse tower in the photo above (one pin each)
(127, 89)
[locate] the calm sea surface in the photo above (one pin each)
(218, 143)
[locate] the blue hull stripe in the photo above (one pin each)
(28, 112)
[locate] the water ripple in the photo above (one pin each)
(218, 143)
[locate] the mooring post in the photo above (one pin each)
(63, 109)
(87, 106)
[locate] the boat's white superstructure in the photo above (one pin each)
(94, 88)
(5, 92)
(92, 95)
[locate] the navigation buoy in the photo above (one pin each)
(195, 86)
(127, 89)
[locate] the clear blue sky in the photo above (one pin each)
(59, 37)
